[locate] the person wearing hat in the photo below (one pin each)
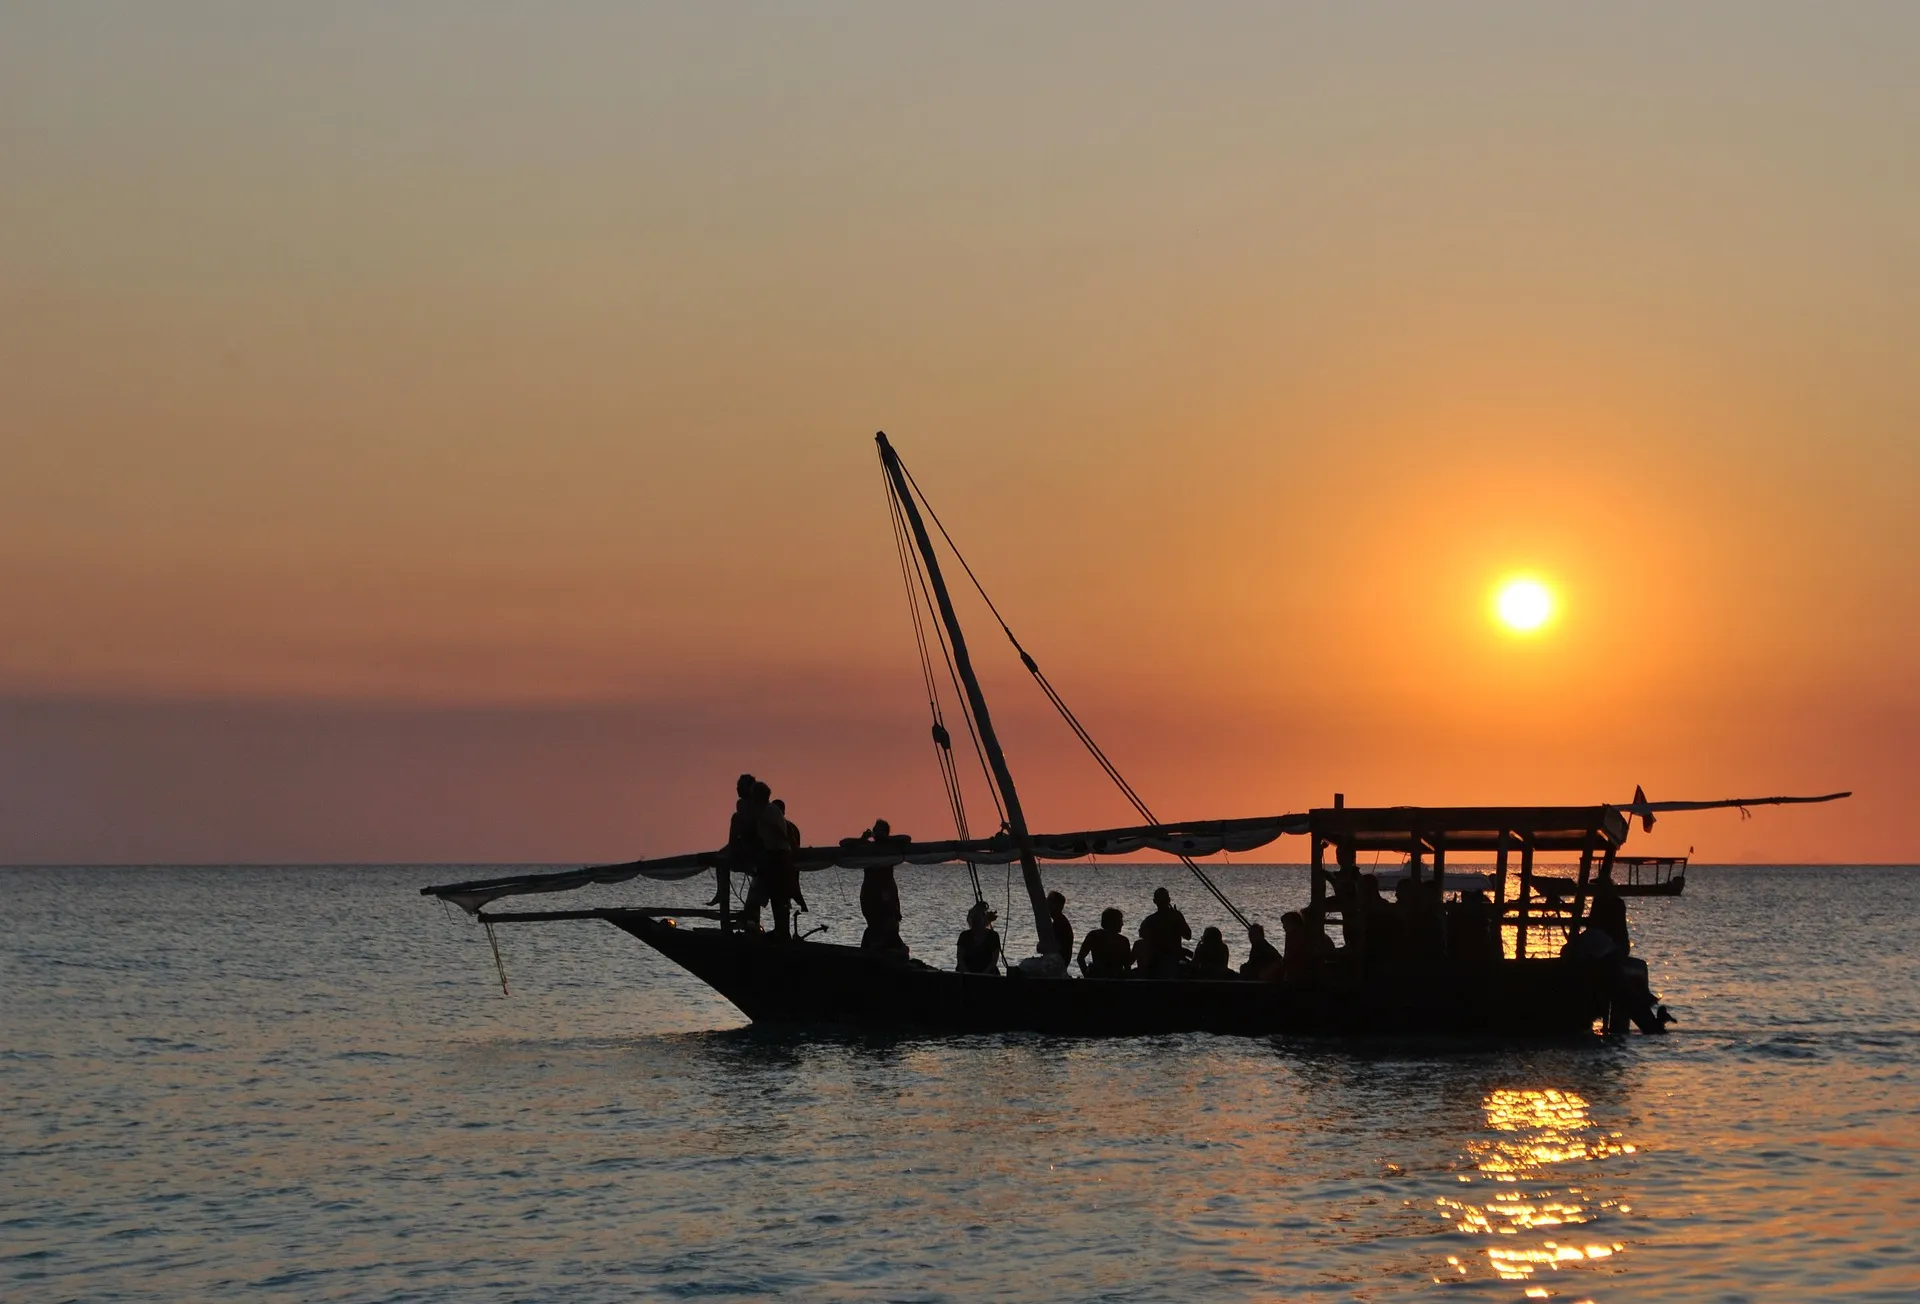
(979, 948)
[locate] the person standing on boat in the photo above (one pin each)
(1107, 953)
(739, 854)
(777, 878)
(752, 850)
(793, 845)
(979, 947)
(1057, 916)
(880, 902)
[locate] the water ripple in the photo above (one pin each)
(226, 1083)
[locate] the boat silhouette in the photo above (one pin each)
(1514, 952)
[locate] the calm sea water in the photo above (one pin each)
(305, 1084)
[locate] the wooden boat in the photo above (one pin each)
(1528, 963)
(1650, 876)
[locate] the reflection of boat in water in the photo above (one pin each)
(1507, 954)
(1650, 875)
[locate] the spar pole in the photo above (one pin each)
(989, 742)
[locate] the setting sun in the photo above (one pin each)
(1523, 605)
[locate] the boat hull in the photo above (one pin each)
(811, 984)
(1673, 887)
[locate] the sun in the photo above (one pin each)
(1523, 605)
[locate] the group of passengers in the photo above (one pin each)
(1417, 930)
(1158, 950)
(761, 844)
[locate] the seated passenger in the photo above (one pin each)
(1263, 962)
(979, 947)
(1106, 953)
(1416, 906)
(1472, 940)
(1210, 958)
(1350, 899)
(1320, 947)
(1062, 929)
(1160, 953)
(1608, 914)
(880, 904)
(1307, 946)
(1382, 925)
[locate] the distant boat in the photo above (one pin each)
(1646, 876)
(1529, 961)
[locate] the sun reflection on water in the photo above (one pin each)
(1540, 1139)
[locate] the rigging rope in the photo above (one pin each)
(1066, 712)
(910, 571)
(953, 679)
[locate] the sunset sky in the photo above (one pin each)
(444, 431)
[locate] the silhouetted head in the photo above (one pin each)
(761, 792)
(744, 785)
(1255, 933)
(1404, 889)
(979, 916)
(1111, 919)
(1056, 901)
(1293, 921)
(1211, 934)
(882, 829)
(1473, 895)
(1161, 898)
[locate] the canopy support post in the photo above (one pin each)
(1526, 893)
(1500, 892)
(1580, 889)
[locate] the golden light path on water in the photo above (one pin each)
(1532, 1171)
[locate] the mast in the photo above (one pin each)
(996, 759)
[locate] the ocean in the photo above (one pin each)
(305, 1084)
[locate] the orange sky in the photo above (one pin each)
(446, 432)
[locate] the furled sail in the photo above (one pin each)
(1198, 838)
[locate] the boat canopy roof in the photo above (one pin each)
(1469, 828)
(1196, 838)
(1486, 828)
(1363, 828)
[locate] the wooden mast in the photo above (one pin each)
(996, 759)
